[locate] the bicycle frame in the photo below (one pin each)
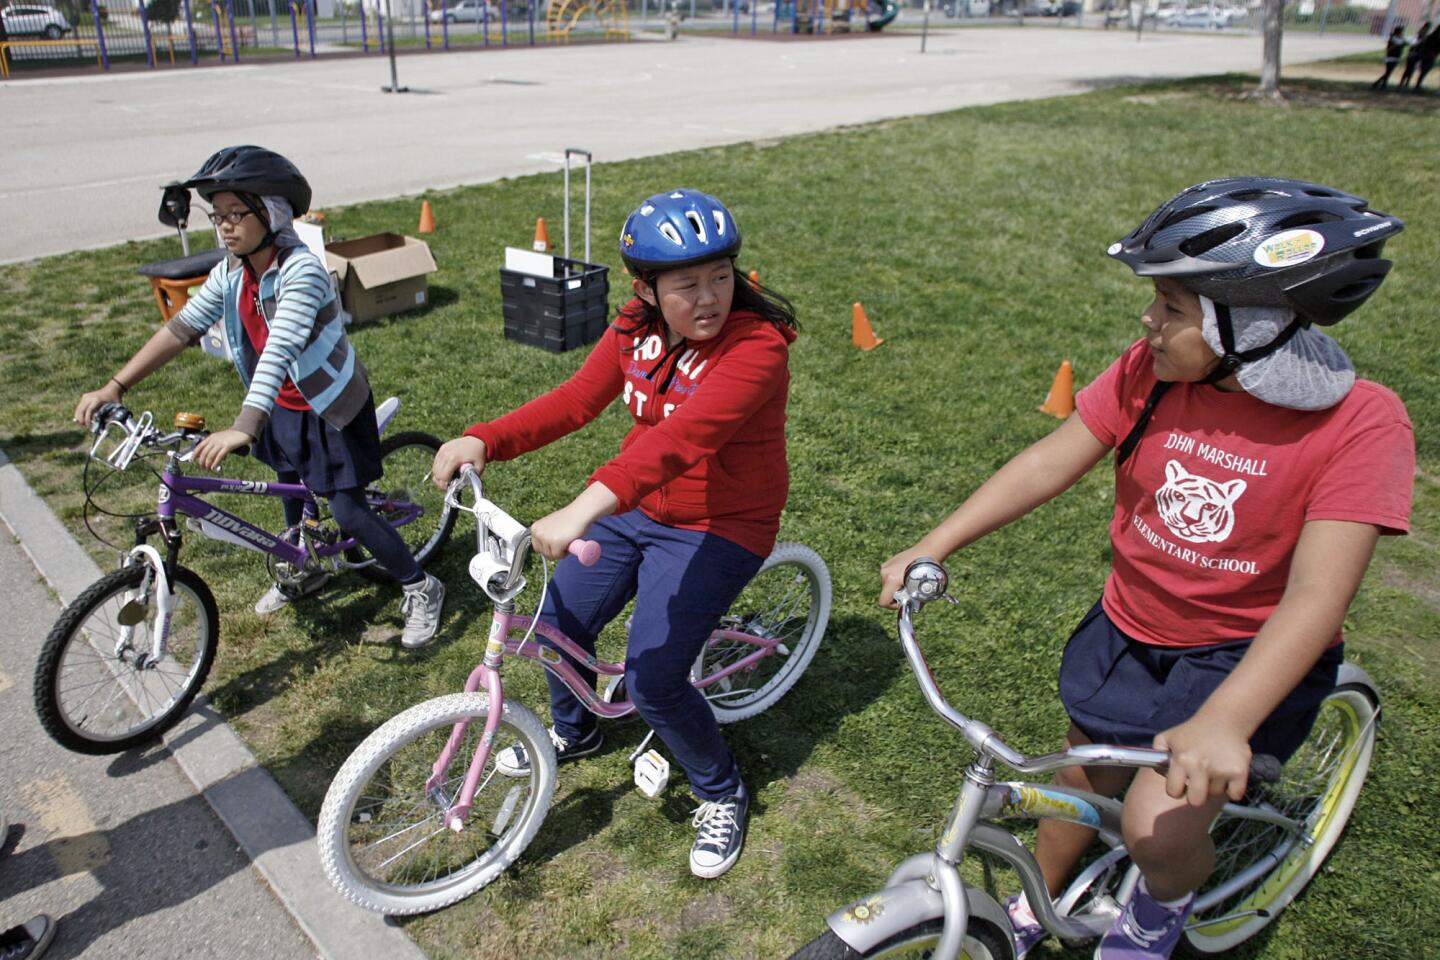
(487, 568)
(176, 496)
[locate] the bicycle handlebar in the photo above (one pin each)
(927, 581)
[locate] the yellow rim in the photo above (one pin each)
(1279, 880)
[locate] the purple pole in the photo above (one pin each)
(145, 28)
(310, 23)
(364, 34)
(504, 23)
(532, 23)
(294, 30)
(100, 36)
(426, 14)
(234, 37)
(219, 34)
(380, 29)
(190, 29)
(754, 14)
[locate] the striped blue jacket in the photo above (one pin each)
(307, 340)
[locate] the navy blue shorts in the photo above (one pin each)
(299, 441)
(1123, 692)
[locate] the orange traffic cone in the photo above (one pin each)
(860, 330)
(1060, 401)
(542, 236)
(427, 218)
(754, 278)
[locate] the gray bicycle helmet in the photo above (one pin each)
(1266, 241)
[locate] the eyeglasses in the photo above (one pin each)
(233, 218)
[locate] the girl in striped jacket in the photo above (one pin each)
(308, 410)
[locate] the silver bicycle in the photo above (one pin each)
(1267, 847)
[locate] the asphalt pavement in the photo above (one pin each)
(187, 849)
(85, 156)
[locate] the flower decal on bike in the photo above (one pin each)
(865, 911)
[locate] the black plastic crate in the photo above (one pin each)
(556, 313)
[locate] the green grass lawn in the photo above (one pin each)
(976, 240)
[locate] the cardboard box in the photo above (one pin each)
(381, 274)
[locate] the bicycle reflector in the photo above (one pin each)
(189, 421)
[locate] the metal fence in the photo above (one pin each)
(161, 33)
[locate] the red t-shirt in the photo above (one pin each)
(1210, 506)
(707, 451)
(257, 330)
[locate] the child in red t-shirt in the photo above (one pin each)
(1253, 477)
(687, 511)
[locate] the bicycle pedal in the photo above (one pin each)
(652, 773)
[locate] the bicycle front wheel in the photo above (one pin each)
(788, 600)
(1318, 788)
(98, 688)
(407, 459)
(382, 835)
(982, 941)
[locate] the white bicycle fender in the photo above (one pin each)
(869, 921)
(385, 413)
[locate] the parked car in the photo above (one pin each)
(466, 11)
(1201, 16)
(966, 8)
(35, 21)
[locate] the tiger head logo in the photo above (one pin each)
(1195, 508)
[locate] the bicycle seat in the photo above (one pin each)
(183, 268)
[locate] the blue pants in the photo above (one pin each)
(683, 582)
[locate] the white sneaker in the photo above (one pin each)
(421, 609)
(512, 761)
(278, 596)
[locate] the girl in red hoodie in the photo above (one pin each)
(687, 511)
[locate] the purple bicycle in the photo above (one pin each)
(128, 655)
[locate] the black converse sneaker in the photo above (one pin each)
(512, 761)
(721, 825)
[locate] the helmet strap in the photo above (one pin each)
(1232, 360)
(258, 208)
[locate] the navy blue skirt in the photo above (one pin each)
(1123, 692)
(327, 460)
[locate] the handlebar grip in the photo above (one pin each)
(1265, 768)
(586, 551)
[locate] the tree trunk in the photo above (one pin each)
(1270, 69)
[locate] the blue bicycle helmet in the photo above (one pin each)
(677, 229)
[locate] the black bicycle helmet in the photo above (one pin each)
(252, 170)
(1266, 241)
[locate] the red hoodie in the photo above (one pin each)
(707, 451)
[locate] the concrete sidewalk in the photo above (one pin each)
(148, 853)
(86, 156)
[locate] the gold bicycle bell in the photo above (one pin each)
(189, 421)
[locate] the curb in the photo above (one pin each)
(275, 835)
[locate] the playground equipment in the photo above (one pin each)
(836, 16)
(562, 16)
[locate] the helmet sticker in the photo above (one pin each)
(1369, 230)
(1113, 249)
(1289, 248)
(628, 239)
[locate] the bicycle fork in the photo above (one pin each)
(156, 584)
(488, 674)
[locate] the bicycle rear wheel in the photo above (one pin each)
(1318, 787)
(91, 692)
(383, 840)
(787, 600)
(406, 459)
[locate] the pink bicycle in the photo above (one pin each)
(409, 825)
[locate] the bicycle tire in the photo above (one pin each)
(983, 941)
(788, 598)
(1319, 786)
(407, 477)
(79, 655)
(396, 759)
